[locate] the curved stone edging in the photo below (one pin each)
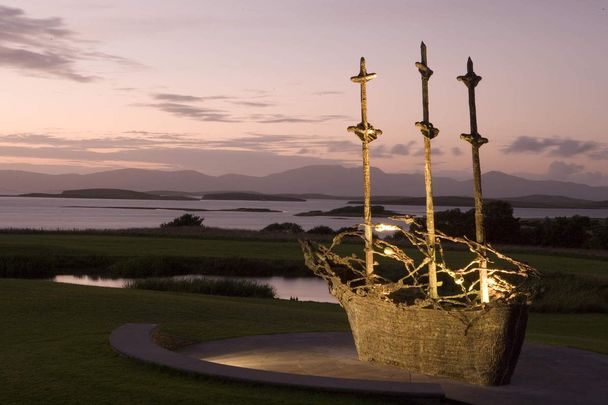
(135, 340)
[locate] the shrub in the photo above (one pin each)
(321, 230)
(184, 220)
(348, 229)
(284, 227)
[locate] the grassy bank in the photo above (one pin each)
(54, 345)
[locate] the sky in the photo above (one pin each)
(258, 87)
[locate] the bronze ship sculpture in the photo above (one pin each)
(408, 302)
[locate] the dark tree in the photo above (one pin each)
(500, 225)
(184, 220)
(321, 230)
(284, 227)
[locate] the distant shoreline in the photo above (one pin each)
(260, 210)
(109, 194)
(530, 201)
(552, 202)
(243, 196)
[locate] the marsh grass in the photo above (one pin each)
(209, 286)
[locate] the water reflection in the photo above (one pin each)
(302, 288)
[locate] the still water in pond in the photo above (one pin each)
(302, 288)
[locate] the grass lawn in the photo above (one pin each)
(54, 343)
(84, 244)
(582, 331)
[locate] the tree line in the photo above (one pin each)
(502, 227)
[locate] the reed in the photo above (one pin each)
(208, 286)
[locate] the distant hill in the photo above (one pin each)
(108, 193)
(249, 197)
(330, 180)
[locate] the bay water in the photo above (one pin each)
(77, 213)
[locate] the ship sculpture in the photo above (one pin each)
(459, 312)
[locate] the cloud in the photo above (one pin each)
(561, 170)
(327, 93)
(434, 152)
(255, 154)
(176, 97)
(282, 118)
(456, 151)
(380, 151)
(558, 147)
(196, 107)
(35, 144)
(337, 146)
(253, 103)
(192, 111)
(399, 149)
(402, 149)
(45, 47)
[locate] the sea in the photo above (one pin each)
(77, 213)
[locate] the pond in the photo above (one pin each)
(302, 288)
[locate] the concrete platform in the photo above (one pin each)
(544, 375)
(136, 341)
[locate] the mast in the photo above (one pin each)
(429, 132)
(367, 133)
(471, 80)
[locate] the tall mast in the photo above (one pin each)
(367, 133)
(429, 132)
(471, 80)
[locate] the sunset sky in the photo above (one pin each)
(257, 87)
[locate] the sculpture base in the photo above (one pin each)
(476, 346)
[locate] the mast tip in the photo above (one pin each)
(469, 64)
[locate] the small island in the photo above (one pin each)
(250, 197)
(110, 194)
(350, 211)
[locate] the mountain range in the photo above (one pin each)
(332, 180)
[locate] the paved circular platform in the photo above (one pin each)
(138, 342)
(544, 375)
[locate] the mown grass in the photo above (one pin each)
(581, 331)
(54, 343)
(226, 287)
